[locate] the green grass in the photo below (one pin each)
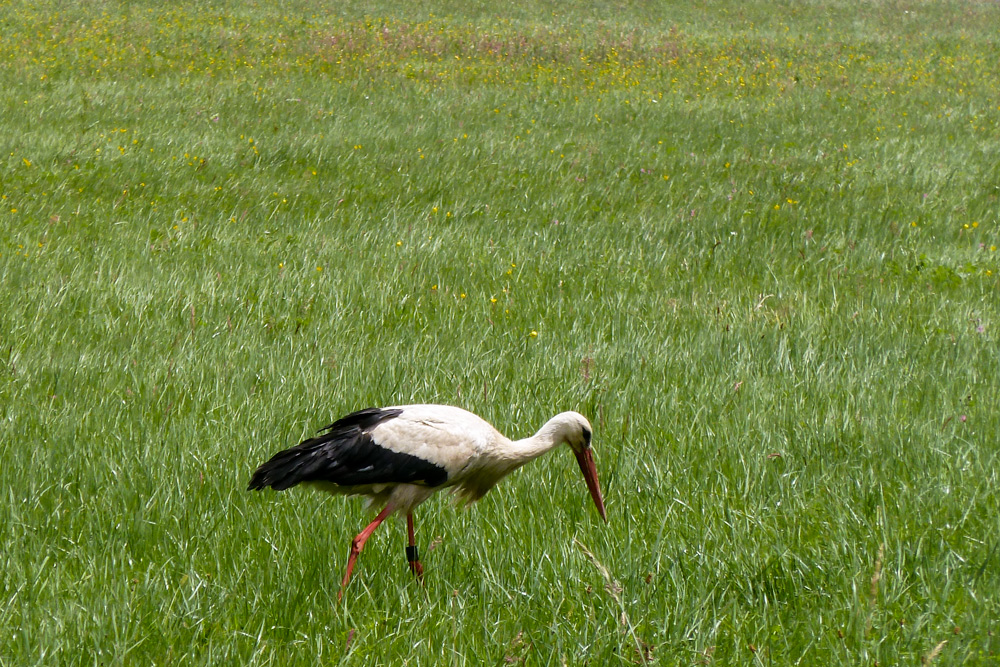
(754, 242)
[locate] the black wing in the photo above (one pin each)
(346, 454)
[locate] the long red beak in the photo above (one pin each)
(586, 460)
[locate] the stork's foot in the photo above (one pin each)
(414, 560)
(357, 544)
(411, 550)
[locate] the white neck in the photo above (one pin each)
(550, 436)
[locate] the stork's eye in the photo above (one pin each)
(586, 436)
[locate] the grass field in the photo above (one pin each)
(756, 243)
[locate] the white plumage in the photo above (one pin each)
(400, 456)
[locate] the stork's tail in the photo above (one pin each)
(340, 455)
(282, 471)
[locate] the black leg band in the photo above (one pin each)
(411, 554)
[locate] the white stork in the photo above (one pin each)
(399, 456)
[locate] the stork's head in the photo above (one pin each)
(575, 431)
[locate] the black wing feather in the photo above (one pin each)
(345, 454)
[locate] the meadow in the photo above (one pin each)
(754, 242)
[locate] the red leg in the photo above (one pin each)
(358, 543)
(411, 551)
